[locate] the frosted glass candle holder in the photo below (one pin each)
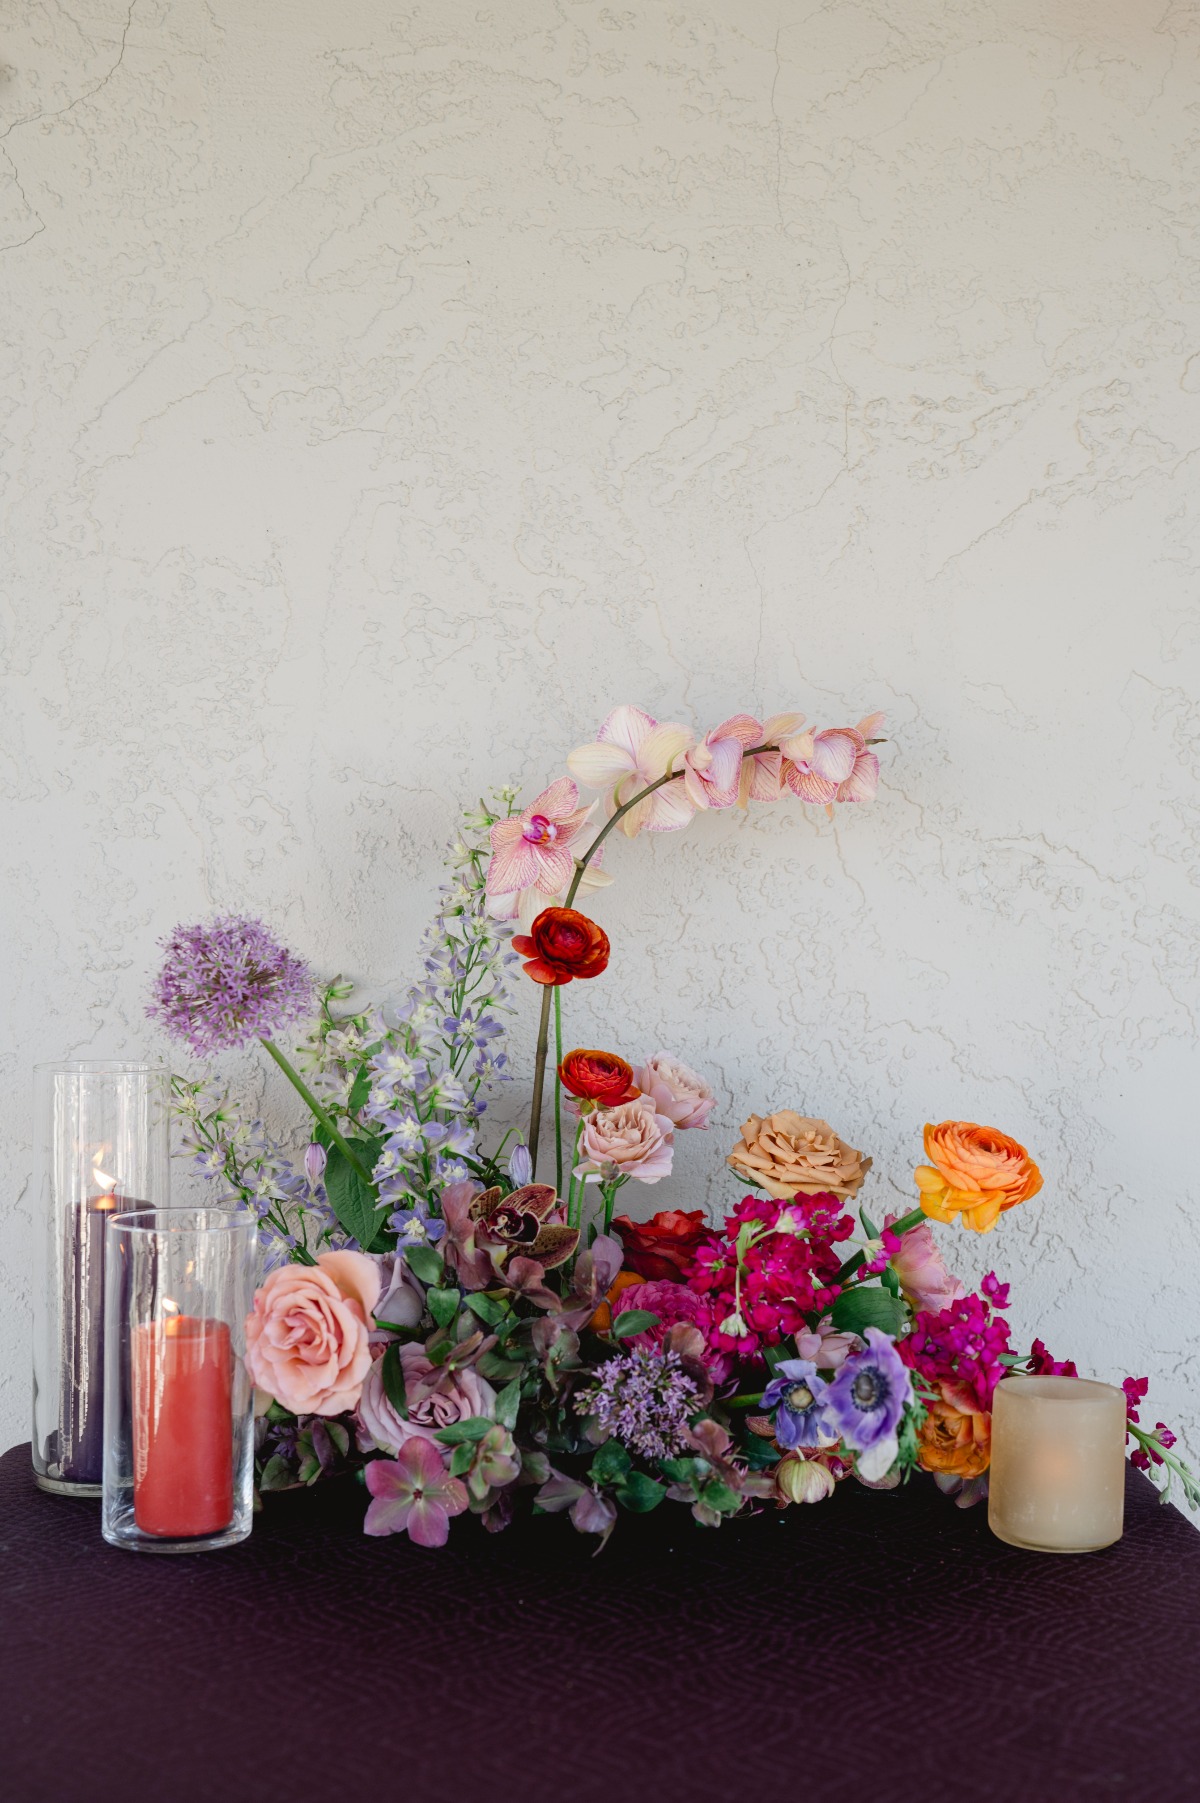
(101, 1147)
(1057, 1477)
(178, 1403)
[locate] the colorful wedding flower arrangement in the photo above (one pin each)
(470, 1338)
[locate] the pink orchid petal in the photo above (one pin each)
(663, 750)
(870, 724)
(556, 867)
(601, 766)
(863, 780)
(742, 727)
(513, 866)
(669, 809)
(834, 752)
(556, 802)
(724, 771)
(626, 728)
(766, 776)
(808, 785)
(781, 726)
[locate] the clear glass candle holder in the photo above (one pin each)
(178, 1403)
(1057, 1478)
(101, 1147)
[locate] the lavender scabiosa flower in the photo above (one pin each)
(797, 1395)
(644, 1398)
(226, 982)
(865, 1402)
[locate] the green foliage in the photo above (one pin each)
(393, 1381)
(473, 1428)
(634, 1320)
(639, 1493)
(611, 1463)
(508, 1402)
(424, 1263)
(352, 1200)
(866, 1305)
(443, 1306)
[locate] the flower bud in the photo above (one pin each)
(315, 1160)
(802, 1480)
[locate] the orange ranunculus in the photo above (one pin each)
(955, 1442)
(598, 1077)
(975, 1172)
(562, 944)
(602, 1320)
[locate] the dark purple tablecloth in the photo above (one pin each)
(873, 1647)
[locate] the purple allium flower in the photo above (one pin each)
(227, 982)
(865, 1402)
(645, 1399)
(797, 1395)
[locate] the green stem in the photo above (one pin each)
(558, 1058)
(902, 1226)
(319, 1109)
(539, 1075)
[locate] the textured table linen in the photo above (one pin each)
(875, 1646)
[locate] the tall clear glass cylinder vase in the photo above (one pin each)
(101, 1146)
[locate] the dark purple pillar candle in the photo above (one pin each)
(82, 1413)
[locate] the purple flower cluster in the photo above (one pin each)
(644, 1398)
(226, 982)
(965, 1344)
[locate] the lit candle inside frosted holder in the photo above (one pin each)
(1057, 1477)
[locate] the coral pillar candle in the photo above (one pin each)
(1057, 1478)
(182, 1426)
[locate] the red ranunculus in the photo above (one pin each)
(663, 1248)
(598, 1077)
(562, 944)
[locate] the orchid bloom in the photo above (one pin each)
(712, 770)
(524, 905)
(761, 776)
(630, 751)
(533, 849)
(833, 765)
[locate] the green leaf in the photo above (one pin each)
(640, 1493)
(352, 1200)
(276, 1474)
(508, 1403)
(634, 1320)
(720, 1497)
(487, 1308)
(424, 1263)
(868, 1306)
(338, 1434)
(473, 1428)
(360, 1089)
(611, 1463)
(497, 1369)
(392, 1377)
(462, 1459)
(868, 1225)
(443, 1306)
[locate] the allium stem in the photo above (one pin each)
(900, 1227)
(319, 1110)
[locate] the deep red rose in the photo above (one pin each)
(598, 1077)
(562, 944)
(663, 1248)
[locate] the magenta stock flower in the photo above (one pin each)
(226, 982)
(533, 850)
(414, 1494)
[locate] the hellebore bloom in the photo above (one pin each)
(630, 751)
(865, 1402)
(797, 1396)
(414, 1494)
(533, 849)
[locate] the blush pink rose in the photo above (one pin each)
(307, 1339)
(676, 1091)
(436, 1398)
(826, 1347)
(924, 1279)
(630, 1140)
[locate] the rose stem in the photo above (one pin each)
(558, 1058)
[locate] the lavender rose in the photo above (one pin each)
(436, 1398)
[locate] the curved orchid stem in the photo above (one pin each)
(581, 864)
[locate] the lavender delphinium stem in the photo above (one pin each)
(322, 1114)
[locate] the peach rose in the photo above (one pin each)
(307, 1339)
(631, 1140)
(955, 1442)
(975, 1172)
(789, 1154)
(676, 1090)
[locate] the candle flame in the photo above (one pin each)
(100, 1178)
(170, 1306)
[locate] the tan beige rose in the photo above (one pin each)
(789, 1154)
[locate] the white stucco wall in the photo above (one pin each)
(388, 390)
